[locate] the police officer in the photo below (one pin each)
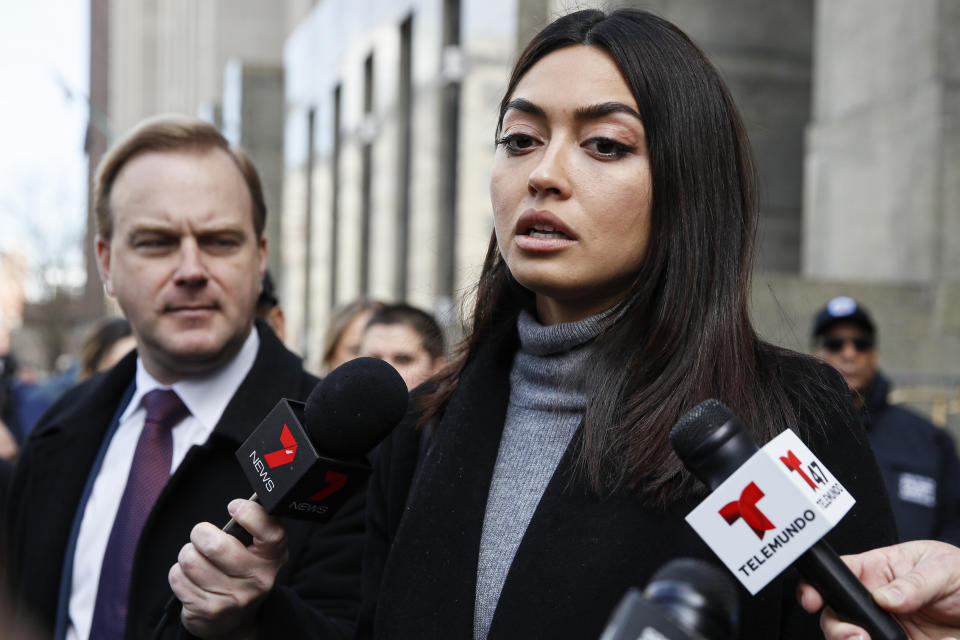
(918, 460)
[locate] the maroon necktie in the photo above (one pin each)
(149, 472)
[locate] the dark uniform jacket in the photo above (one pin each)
(919, 465)
(580, 553)
(316, 591)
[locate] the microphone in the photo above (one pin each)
(306, 459)
(346, 415)
(713, 444)
(686, 599)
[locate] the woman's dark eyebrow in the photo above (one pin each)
(521, 104)
(591, 112)
(595, 111)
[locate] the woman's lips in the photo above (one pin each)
(541, 230)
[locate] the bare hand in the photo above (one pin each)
(917, 581)
(220, 582)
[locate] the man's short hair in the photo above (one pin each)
(171, 133)
(420, 321)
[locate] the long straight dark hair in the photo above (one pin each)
(685, 333)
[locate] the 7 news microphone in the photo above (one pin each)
(305, 459)
(713, 443)
(687, 599)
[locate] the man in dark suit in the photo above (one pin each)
(108, 494)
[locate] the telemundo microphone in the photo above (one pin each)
(806, 502)
(687, 599)
(305, 459)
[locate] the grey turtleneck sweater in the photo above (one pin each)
(547, 402)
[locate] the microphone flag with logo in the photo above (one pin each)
(290, 477)
(777, 505)
(766, 504)
(305, 459)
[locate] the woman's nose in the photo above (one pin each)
(550, 174)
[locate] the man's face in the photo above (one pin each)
(184, 262)
(401, 346)
(851, 351)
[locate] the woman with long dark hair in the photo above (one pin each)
(533, 484)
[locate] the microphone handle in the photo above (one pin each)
(239, 532)
(823, 568)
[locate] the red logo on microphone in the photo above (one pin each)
(793, 463)
(335, 481)
(746, 508)
(287, 454)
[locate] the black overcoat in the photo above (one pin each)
(580, 552)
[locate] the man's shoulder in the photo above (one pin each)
(903, 419)
(92, 395)
(275, 359)
(899, 433)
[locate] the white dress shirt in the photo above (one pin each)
(206, 398)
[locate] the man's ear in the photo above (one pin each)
(277, 320)
(103, 263)
(262, 252)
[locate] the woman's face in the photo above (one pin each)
(571, 185)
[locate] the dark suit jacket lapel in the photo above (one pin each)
(437, 543)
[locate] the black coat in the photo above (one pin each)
(579, 554)
(919, 464)
(316, 591)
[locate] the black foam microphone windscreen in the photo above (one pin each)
(355, 407)
(686, 599)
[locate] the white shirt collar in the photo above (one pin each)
(206, 397)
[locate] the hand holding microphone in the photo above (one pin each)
(919, 581)
(713, 444)
(219, 581)
(304, 461)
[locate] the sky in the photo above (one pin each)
(44, 56)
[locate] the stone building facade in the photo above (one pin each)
(376, 155)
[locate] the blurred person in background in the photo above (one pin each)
(106, 345)
(918, 460)
(409, 339)
(9, 407)
(35, 394)
(269, 309)
(344, 332)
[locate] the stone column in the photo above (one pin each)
(883, 149)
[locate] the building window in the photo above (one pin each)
(405, 110)
(335, 199)
(451, 70)
(308, 232)
(366, 178)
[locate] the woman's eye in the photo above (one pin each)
(607, 148)
(516, 143)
